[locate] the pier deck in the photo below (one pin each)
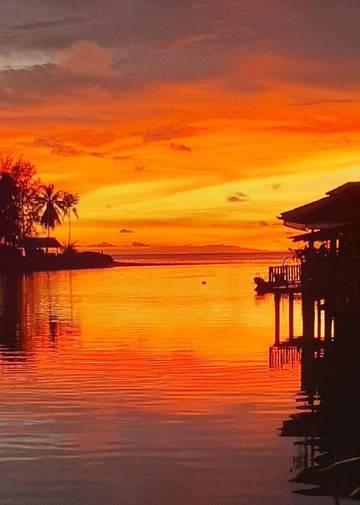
(326, 274)
(281, 279)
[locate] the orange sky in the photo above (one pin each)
(183, 123)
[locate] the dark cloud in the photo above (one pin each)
(139, 168)
(102, 244)
(319, 126)
(140, 244)
(329, 101)
(180, 147)
(174, 41)
(56, 147)
(98, 154)
(127, 157)
(168, 132)
(126, 230)
(84, 70)
(175, 44)
(59, 148)
(49, 24)
(324, 28)
(237, 197)
(40, 83)
(112, 23)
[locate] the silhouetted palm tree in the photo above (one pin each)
(68, 205)
(50, 204)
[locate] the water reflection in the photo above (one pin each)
(30, 307)
(12, 336)
(141, 386)
(329, 422)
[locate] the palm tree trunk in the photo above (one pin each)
(47, 242)
(22, 217)
(69, 235)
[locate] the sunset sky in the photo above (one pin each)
(183, 121)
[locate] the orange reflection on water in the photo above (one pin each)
(143, 364)
(160, 330)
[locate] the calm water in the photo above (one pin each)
(193, 258)
(143, 386)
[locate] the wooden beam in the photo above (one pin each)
(319, 332)
(291, 316)
(277, 299)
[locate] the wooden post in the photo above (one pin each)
(291, 316)
(328, 322)
(319, 319)
(333, 247)
(277, 299)
(308, 309)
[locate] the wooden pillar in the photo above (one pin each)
(328, 322)
(333, 247)
(319, 332)
(277, 299)
(308, 313)
(291, 316)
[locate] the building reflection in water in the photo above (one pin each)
(326, 276)
(328, 424)
(33, 314)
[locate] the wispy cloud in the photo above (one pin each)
(126, 157)
(48, 24)
(237, 197)
(56, 147)
(175, 44)
(168, 132)
(180, 147)
(102, 244)
(140, 244)
(276, 186)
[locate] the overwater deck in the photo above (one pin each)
(325, 277)
(325, 272)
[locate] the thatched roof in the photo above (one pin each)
(321, 235)
(340, 207)
(40, 243)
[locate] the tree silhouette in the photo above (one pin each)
(69, 207)
(23, 173)
(25, 203)
(49, 204)
(9, 212)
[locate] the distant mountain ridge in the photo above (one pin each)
(185, 249)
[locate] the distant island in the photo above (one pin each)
(212, 249)
(192, 249)
(28, 206)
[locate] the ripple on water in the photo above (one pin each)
(142, 386)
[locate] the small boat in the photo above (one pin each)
(262, 286)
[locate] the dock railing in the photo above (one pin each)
(285, 276)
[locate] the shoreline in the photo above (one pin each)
(11, 262)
